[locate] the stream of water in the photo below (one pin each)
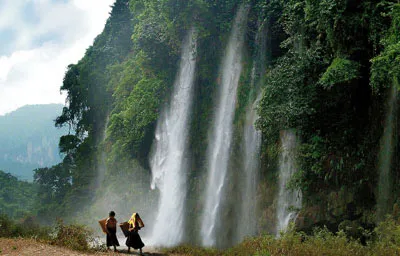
(169, 159)
(385, 157)
(220, 141)
(288, 200)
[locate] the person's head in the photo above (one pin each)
(111, 214)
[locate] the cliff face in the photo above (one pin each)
(29, 140)
(320, 68)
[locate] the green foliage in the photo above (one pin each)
(388, 233)
(386, 66)
(76, 98)
(116, 92)
(141, 96)
(339, 72)
(289, 93)
(117, 89)
(68, 143)
(245, 92)
(312, 156)
(16, 197)
(320, 242)
(157, 30)
(385, 240)
(326, 164)
(75, 237)
(86, 82)
(329, 43)
(27, 228)
(54, 182)
(89, 101)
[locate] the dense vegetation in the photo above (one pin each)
(330, 84)
(76, 237)
(330, 67)
(16, 200)
(384, 240)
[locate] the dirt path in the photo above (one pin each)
(20, 246)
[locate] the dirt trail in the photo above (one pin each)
(21, 246)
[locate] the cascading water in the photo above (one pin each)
(247, 224)
(168, 164)
(220, 141)
(287, 198)
(386, 156)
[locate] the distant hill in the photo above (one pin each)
(29, 140)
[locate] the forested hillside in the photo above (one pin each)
(29, 140)
(322, 75)
(17, 198)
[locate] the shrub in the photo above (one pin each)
(73, 236)
(27, 228)
(340, 71)
(387, 238)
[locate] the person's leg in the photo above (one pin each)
(140, 251)
(129, 249)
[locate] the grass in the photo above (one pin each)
(384, 240)
(75, 237)
(192, 250)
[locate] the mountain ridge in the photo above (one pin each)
(29, 139)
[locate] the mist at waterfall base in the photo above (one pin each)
(124, 194)
(168, 163)
(220, 140)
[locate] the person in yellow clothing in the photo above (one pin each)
(134, 240)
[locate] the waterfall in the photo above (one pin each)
(288, 200)
(247, 225)
(220, 140)
(168, 163)
(385, 157)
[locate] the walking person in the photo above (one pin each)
(134, 240)
(111, 228)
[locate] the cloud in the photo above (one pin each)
(47, 36)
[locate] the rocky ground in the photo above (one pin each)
(21, 246)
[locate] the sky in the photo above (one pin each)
(38, 40)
